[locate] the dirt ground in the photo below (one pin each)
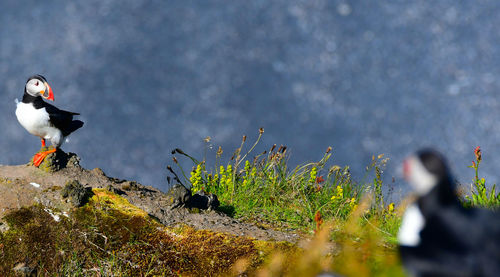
(25, 185)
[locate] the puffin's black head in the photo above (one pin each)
(37, 86)
(427, 169)
(434, 162)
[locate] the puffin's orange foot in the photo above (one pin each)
(39, 157)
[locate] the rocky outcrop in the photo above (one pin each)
(61, 183)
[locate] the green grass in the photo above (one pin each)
(480, 196)
(264, 187)
(361, 223)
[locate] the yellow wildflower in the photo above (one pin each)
(390, 208)
(352, 202)
(340, 192)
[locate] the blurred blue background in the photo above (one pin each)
(366, 77)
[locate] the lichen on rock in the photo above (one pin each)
(57, 160)
(78, 194)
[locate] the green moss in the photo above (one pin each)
(103, 197)
(87, 238)
(33, 238)
(111, 234)
(268, 247)
(187, 251)
(194, 210)
(20, 217)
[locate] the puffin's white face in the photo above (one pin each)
(36, 87)
(421, 180)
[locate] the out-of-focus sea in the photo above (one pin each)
(365, 77)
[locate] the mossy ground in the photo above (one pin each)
(112, 237)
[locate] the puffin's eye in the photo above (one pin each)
(36, 83)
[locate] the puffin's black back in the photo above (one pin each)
(62, 120)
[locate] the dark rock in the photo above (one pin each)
(178, 195)
(114, 190)
(203, 201)
(77, 192)
(131, 186)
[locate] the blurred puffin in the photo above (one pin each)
(438, 236)
(42, 119)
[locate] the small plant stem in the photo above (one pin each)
(304, 198)
(237, 162)
(476, 169)
(376, 228)
(195, 161)
(253, 146)
(183, 173)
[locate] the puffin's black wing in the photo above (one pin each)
(62, 120)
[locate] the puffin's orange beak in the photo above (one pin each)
(50, 95)
(406, 169)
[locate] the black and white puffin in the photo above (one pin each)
(438, 236)
(42, 119)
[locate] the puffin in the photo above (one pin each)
(42, 119)
(438, 235)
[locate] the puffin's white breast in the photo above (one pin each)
(413, 222)
(37, 122)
